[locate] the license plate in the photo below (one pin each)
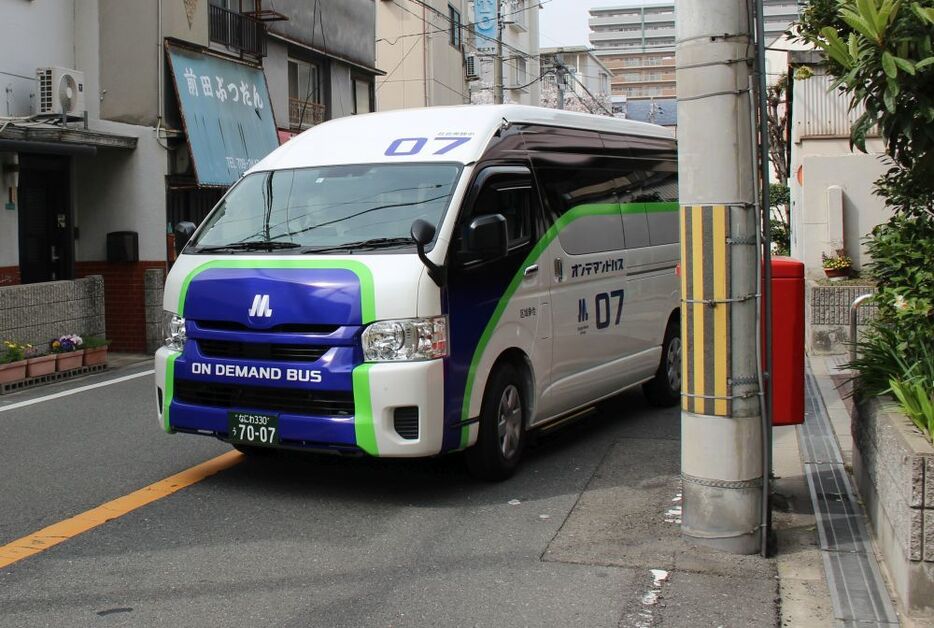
(253, 429)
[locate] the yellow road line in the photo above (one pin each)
(56, 533)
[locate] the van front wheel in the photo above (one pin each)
(665, 388)
(501, 439)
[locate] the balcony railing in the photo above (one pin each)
(237, 31)
(304, 114)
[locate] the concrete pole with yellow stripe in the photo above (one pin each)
(721, 459)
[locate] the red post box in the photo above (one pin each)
(787, 341)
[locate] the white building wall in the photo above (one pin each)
(414, 48)
(115, 190)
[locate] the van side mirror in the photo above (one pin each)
(423, 232)
(183, 233)
(488, 237)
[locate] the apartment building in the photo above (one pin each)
(421, 45)
(638, 44)
(120, 119)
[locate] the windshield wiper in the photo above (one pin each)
(374, 243)
(249, 245)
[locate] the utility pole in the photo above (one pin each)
(721, 418)
(560, 74)
(498, 64)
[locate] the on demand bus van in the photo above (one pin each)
(418, 282)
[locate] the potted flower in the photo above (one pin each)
(95, 350)
(12, 362)
(838, 265)
(68, 352)
(38, 363)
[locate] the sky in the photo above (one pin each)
(564, 22)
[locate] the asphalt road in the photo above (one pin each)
(305, 540)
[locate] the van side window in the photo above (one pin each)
(512, 198)
(588, 192)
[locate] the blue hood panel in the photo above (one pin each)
(261, 298)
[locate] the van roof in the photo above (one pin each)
(429, 134)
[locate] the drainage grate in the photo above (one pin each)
(858, 594)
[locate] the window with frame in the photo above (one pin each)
(362, 95)
(512, 198)
(306, 108)
(455, 18)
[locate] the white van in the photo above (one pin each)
(418, 282)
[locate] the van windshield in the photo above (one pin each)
(328, 209)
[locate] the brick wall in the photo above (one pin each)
(125, 300)
(9, 276)
(36, 313)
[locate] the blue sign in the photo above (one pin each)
(228, 116)
(484, 13)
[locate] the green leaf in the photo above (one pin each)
(835, 48)
(888, 64)
(889, 98)
(923, 12)
(888, 11)
(924, 63)
(867, 10)
(905, 65)
(857, 23)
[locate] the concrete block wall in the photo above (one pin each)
(893, 464)
(36, 313)
(827, 314)
(153, 287)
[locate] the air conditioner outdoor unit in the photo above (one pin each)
(60, 90)
(471, 68)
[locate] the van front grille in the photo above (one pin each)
(290, 400)
(261, 350)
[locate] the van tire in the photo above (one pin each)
(665, 388)
(501, 439)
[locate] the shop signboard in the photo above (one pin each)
(227, 114)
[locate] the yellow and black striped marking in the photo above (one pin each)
(705, 309)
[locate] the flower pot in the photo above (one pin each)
(837, 273)
(12, 371)
(42, 365)
(95, 355)
(69, 361)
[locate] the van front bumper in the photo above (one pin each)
(387, 399)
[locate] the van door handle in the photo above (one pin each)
(559, 270)
(531, 270)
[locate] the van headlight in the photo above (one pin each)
(173, 327)
(406, 339)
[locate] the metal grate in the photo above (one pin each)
(236, 30)
(405, 422)
(857, 592)
(291, 400)
(286, 328)
(261, 350)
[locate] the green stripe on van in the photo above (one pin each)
(597, 209)
(169, 391)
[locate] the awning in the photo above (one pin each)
(226, 113)
(28, 136)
